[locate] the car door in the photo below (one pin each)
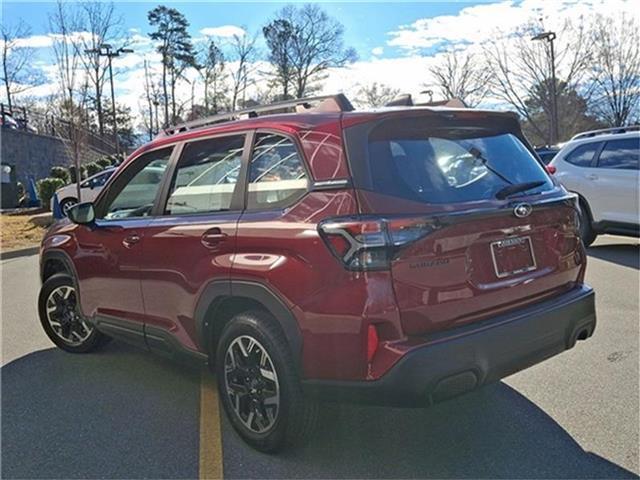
(192, 240)
(616, 180)
(575, 172)
(109, 252)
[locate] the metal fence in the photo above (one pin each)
(21, 118)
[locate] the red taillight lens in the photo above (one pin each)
(372, 342)
(551, 169)
(366, 243)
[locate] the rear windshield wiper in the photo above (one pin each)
(517, 188)
(477, 154)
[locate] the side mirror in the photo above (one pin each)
(82, 213)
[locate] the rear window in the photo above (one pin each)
(450, 165)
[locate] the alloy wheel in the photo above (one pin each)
(64, 318)
(66, 206)
(252, 384)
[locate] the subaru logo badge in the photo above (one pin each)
(522, 210)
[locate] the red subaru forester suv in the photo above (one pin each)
(305, 250)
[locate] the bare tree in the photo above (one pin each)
(376, 94)
(460, 74)
(103, 26)
(18, 75)
(211, 67)
(243, 54)
(519, 65)
(65, 24)
(616, 69)
(315, 45)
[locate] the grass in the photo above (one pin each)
(23, 230)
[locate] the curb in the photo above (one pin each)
(22, 252)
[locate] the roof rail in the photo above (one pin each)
(605, 131)
(325, 103)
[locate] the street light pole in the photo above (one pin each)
(105, 50)
(550, 37)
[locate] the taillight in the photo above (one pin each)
(369, 243)
(551, 169)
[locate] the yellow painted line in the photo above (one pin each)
(210, 435)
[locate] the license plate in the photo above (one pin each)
(512, 256)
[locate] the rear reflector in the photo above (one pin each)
(372, 342)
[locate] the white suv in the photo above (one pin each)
(602, 168)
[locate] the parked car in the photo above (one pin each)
(89, 190)
(7, 121)
(546, 153)
(401, 256)
(601, 166)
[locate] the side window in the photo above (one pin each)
(206, 176)
(276, 174)
(135, 190)
(583, 155)
(621, 154)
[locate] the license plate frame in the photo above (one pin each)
(510, 243)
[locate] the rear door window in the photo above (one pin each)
(277, 176)
(623, 154)
(448, 165)
(582, 155)
(206, 176)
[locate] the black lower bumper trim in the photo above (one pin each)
(483, 354)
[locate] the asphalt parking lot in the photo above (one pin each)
(124, 413)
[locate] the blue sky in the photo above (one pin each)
(397, 42)
(366, 24)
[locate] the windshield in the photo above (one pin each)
(448, 166)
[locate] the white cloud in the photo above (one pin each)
(34, 41)
(479, 23)
(377, 51)
(223, 31)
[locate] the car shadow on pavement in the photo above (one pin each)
(124, 413)
(117, 413)
(627, 255)
(492, 433)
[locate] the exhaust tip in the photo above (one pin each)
(584, 334)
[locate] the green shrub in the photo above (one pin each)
(72, 173)
(46, 188)
(62, 173)
(104, 162)
(93, 168)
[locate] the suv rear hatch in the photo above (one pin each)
(473, 225)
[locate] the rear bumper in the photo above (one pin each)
(475, 355)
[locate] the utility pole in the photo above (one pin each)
(550, 37)
(105, 50)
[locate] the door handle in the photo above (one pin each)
(212, 237)
(130, 240)
(592, 176)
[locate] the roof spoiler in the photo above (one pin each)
(406, 100)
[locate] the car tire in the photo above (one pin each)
(66, 204)
(261, 391)
(587, 234)
(61, 319)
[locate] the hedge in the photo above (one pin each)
(92, 168)
(46, 188)
(72, 172)
(62, 173)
